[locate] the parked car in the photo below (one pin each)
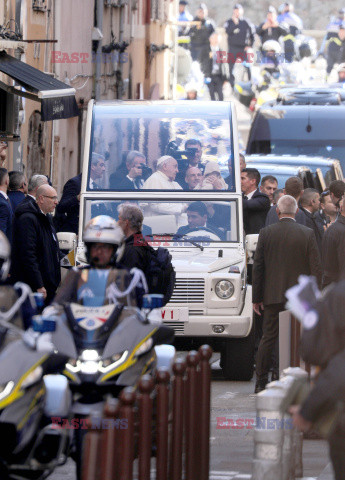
(283, 172)
(299, 129)
(330, 168)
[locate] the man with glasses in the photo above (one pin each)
(35, 252)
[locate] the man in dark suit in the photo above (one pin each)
(293, 187)
(255, 203)
(285, 250)
(6, 212)
(18, 188)
(35, 254)
(132, 178)
(67, 211)
(215, 72)
(310, 204)
(333, 248)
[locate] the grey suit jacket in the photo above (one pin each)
(285, 250)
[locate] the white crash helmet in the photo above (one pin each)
(341, 68)
(104, 229)
(283, 6)
(5, 253)
(272, 46)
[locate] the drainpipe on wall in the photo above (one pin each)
(52, 12)
(99, 50)
(119, 71)
(17, 161)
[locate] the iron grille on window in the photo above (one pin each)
(154, 9)
(39, 5)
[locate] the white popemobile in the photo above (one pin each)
(199, 219)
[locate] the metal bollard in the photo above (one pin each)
(297, 437)
(145, 426)
(109, 440)
(179, 368)
(91, 450)
(192, 415)
(288, 385)
(126, 436)
(205, 353)
(268, 439)
(162, 380)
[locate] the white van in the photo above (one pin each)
(211, 302)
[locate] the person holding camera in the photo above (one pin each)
(133, 176)
(193, 151)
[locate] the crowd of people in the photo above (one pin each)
(247, 42)
(318, 219)
(300, 233)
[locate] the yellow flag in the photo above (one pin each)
(68, 260)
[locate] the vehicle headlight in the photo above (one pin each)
(89, 356)
(111, 363)
(145, 347)
(89, 367)
(224, 289)
(33, 377)
(6, 389)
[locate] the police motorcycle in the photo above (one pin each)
(30, 447)
(273, 74)
(105, 328)
(99, 349)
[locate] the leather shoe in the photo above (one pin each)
(260, 385)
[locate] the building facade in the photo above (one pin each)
(104, 49)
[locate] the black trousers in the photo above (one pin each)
(269, 340)
(216, 87)
(234, 52)
(337, 450)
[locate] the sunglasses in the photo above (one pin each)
(325, 193)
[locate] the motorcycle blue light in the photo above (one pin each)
(153, 300)
(42, 325)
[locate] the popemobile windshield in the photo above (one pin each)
(179, 162)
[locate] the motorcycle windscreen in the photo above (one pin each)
(91, 326)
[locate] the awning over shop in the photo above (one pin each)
(57, 99)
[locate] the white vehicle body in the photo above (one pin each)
(196, 311)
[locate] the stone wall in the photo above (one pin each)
(314, 13)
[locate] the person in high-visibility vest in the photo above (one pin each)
(336, 49)
(295, 24)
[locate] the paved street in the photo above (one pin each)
(232, 450)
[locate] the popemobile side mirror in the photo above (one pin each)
(251, 244)
(67, 240)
